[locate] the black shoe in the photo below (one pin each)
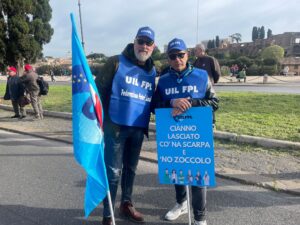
(15, 116)
(22, 117)
(107, 221)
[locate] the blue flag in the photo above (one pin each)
(87, 121)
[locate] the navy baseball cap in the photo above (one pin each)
(146, 32)
(176, 44)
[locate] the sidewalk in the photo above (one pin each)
(278, 172)
(223, 79)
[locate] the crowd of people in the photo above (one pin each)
(23, 90)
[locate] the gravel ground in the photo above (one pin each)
(280, 165)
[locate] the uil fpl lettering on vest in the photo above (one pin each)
(184, 89)
(132, 92)
(193, 85)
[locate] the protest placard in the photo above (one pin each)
(185, 147)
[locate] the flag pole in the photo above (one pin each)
(188, 203)
(81, 31)
(111, 208)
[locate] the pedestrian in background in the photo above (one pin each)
(126, 84)
(210, 65)
(207, 63)
(52, 75)
(14, 91)
(29, 79)
(180, 74)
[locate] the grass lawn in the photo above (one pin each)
(224, 144)
(58, 99)
(258, 114)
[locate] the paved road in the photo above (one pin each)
(264, 88)
(42, 185)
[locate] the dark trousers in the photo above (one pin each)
(121, 154)
(19, 111)
(198, 200)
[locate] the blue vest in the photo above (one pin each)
(193, 85)
(132, 91)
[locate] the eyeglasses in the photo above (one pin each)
(142, 42)
(179, 55)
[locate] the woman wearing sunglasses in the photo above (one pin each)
(172, 92)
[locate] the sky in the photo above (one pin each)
(109, 25)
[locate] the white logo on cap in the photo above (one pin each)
(146, 31)
(174, 43)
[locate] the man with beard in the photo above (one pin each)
(126, 84)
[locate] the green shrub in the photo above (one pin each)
(244, 61)
(270, 61)
(270, 70)
(253, 70)
(44, 69)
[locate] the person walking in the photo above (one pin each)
(207, 63)
(14, 91)
(126, 85)
(52, 75)
(181, 74)
(29, 79)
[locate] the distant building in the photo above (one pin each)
(290, 41)
(293, 63)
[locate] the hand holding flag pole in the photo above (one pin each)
(87, 121)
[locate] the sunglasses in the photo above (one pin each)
(142, 42)
(179, 55)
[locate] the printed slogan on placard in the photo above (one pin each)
(185, 147)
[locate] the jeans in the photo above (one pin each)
(121, 155)
(198, 200)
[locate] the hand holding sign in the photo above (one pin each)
(181, 103)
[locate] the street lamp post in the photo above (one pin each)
(197, 39)
(82, 41)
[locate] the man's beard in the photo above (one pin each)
(141, 56)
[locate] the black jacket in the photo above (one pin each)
(14, 88)
(211, 66)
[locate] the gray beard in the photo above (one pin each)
(142, 57)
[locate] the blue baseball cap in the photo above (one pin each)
(146, 32)
(176, 44)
